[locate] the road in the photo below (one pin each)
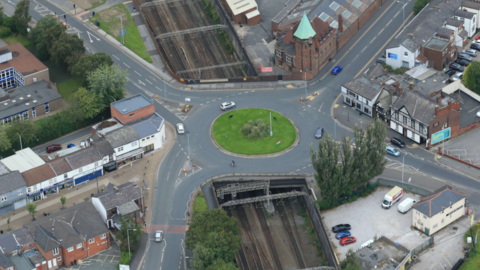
(174, 188)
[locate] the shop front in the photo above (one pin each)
(111, 166)
(35, 197)
(130, 157)
(88, 176)
(65, 184)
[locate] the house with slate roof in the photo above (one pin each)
(16, 241)
(461, 36)
(432, 213)
(306, 48)
(362, 94)
(70, 235)
(469, 20)
(473, 7)
(116, 201)
(6, 263)
(13, 192)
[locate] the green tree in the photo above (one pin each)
(88, 63)
(32, 209)
(26, 129)
(210, 221)
(5, 143)
(88, 102)
(21, 17)
(419, 5)
(2, 16)
(107, 82)
(350, 262)
(67, 50)
(471, 78)
(63, 200)
(46, 32)
(220, 264)
(134, 233)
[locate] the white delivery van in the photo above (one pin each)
(406, 205)
(392, 197)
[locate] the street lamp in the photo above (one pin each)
(403, 167)
(121, 30)
(128, 238)
(21, 147)
(306, 70)
(113, 99)
(403, 8)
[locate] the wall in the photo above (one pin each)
(156, 140)
(40, 108)
(240, 18)
(400, 52)
(13, 196)
(132, 116)
(253, 21)
(100, 209)
(48, 255)
(126, 148)
(475, 12)
(442, 220)
(86, 250)
(449, 115)
(41, 75)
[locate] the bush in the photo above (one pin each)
(419, 5)
(8, 22)
(5, 31)
(124, 259)
(255, 130)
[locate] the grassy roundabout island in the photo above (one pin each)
(247, 132)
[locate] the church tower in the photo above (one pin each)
(305, 47)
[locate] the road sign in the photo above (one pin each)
(122, 32)
(392, 55)
(441, 135)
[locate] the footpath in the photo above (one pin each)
(142, 172)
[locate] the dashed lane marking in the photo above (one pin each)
(136, 72)
(115, 57)
(126, 65)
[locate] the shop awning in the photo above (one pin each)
(130, 154)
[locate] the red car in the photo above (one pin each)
(347, 240)
(53, 148)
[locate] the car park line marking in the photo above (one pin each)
(297, 170)
(239, 93)
(246, 92)
(207, 102)
(201, 104)
(126, 65)
(213, 100)
(253, 91)
(219, 98)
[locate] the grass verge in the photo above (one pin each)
(110, 22)
(200, 204)
(473, 260)
(68, 87)
(227, 132)
(19, 38)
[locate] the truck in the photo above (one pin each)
(392, 197)
(406, 205)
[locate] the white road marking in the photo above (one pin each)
(116, 57)
(364, 49)
(148, 81)
(126, 65)
(158, 88)
(388, 23)
(137, 73)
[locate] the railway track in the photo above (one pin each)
(293, 242)
(268, 237)
(253, 247)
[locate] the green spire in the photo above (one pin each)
(305, 29)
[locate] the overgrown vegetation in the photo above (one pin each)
(473, 260)
(471, 78)
(364, 192)
(312, 235)
(350, 262)
(226, 42)
(133, 236)
(200, 204)
(211, 12)
(399, 70)
(342, 169)
(255, 129)
(419, 5)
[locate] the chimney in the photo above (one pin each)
(397, 85)
(115, 188)
(411, 86)
(439, 99)
(310, 40)
(340, 23)
(5, 55)
(436, 110)
(372, 80)
(449, 101)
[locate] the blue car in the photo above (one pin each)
(71, 145)
(392, 151)
(342, 234)
(337, 70)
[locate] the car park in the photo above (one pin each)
(465, 56)
(392, 151)
(347, 240)
(159, 236)
(180, 128)
(457, 67)
(341, 227)
(342, 234)
(457, 76)
(397, 142)
(319, 133)
(336, 70)
(470, 52)
(227, 105)
(53, 147)
(462, 62)
(450, 72)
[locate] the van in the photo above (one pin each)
(406, 205)
(366, 244)
(392, 197)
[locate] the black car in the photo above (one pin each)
(319, 133)
(341, 227)
(397, 142)
(475, 46)
(456, 67)
(465, 56)
(462, 62)
(450, 72)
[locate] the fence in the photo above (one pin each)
(423, 246)
(405, 186)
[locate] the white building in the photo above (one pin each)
(436, 211)
(473, 7)
(404, 52)
(469, 21)
(23, 160)
(361, 94)
(460, 34)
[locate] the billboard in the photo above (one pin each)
(393, 56)
(441, 135)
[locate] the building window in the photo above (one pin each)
(79, 245)
(424, 217)
(120, 149)
(55, 251)
(103, 236)
(96, 164)
(70, 249)
(278, 53)
(405, 53)
(134, 143)
(153, 136)
(143, 140)
(59, 259)
(288, 58)
(29, 190)
(20, 192)
(25, 115)
(47, 107)
(132, 114)
(65, 176)
(34, 113)
(366, 110)
(91, 241)
(4, 198)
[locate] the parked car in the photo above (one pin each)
(347, 240)
(158, 236)
(71, 145)
(475, 46)
(458, 76)
(341, 227)
(319, 133)
(397, 142)
(465, 56)
(53, 147)
(381, 60)
(406, 205)
(392, 151)
(478, 114)
(227, 105)
(450, 72)
(462, 62)
(342, 234)
(470, 52)
(457, 67)
(180, 128)
(337, 70)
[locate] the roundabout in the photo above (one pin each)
(246, 133)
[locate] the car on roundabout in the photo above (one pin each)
(227, 105)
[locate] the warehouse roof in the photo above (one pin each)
(23, 60)
(239, 6)
(23, 160)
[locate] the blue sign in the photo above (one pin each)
(393, 56)
(441, 135)
(122, 32)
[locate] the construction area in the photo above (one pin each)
(188, 42)
(273, 229)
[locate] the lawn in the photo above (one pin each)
(473, 261)
(200, 204)
(227, 132)
(19, 38)
(68, 87)
(110, 22)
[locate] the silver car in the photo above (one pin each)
(227, 105)
(159, 236)
(180, 128)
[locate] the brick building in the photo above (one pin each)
(306, 47)
(440, 50)
(70, 235)
(243, 11)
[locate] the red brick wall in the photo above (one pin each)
(253, 21)
(241, 18)
(49, 256)
(86, 250)
(127, 118)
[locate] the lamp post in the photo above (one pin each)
(113, 99)
(271, 132)
(21, 146)
(403, 8)
(128, 238)
(121, 25)
(306, 70)
(403, 167)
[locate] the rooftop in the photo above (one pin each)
(441, 199)
(135, 130)
(9, 242)
(132, 103)
(419, 107)
(23, 160)
(363, 87)
(463, 14)
(38, 174)
(382, 254)
(286, 10)
(5, 262)
(431, 84)
(23, 60)
(471, 4)
(437, 44)
(115, 196)
(84, 157)
(304, 29)
(239, 6)
(454, 22)
(11, 181)
(21, 263)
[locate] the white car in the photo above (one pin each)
(457, 76)
(180, 128)
(478, 114)
(158, 236)
(227, 105)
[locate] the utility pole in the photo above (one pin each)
(271, 132)
(21, 146)
(403, 8)
(306, 70)
(121, 25)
